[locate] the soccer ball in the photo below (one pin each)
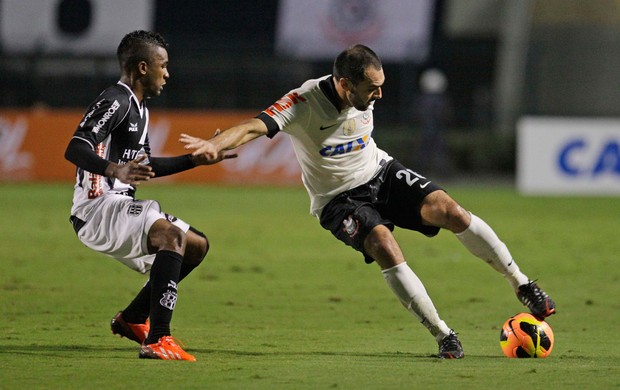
(525, 336)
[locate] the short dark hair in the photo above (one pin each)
(352, 63)
(135, 47)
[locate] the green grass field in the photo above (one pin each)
(279, 303)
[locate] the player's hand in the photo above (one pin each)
(133, 172)
(200, 146)
(205, 152)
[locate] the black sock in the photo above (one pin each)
(138, 310)
(186, 269)
(164, 278)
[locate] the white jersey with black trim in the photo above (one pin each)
(335, 149)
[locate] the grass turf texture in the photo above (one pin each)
(279, 303)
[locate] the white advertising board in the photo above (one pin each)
(320, 29)
(35, 26)
(568, 156)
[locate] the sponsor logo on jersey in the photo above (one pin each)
(91, 112)
(285, 102)
(96, 181)
(325, 127)
(351, 146)
(106, 116)
(133, 127)
(132, 154)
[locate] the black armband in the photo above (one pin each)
(164, 166)
(272, 125)
(80, 153)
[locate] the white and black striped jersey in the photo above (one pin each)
(116, 128)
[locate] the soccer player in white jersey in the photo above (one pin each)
(360, 193)
(111, 151)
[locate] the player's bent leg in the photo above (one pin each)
(169, 243)
(479, 238)
(408, 288)
(412, 294)
(166, 347)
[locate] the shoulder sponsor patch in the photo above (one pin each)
(106, 116)
(285, 102)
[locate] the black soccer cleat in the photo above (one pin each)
(536, 300)
(450, 347)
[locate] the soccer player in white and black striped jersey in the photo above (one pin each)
(111, 151)
(360, 193)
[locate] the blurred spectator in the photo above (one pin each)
(433, 111)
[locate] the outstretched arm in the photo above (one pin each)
(228, 139)
(163, 166)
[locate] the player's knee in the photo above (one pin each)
(442, 211)
(165, 236)
(176, 238)
(457, 218)
(376, 239)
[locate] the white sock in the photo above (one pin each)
(412, 294)
(482, 242)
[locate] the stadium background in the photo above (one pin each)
(502, 59)
(280, 304)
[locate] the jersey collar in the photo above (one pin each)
(133, 96)
(329, 90)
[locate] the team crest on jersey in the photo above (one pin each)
(135, 209)
(366, 118)
(348, 127)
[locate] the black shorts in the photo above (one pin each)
(392, 198)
